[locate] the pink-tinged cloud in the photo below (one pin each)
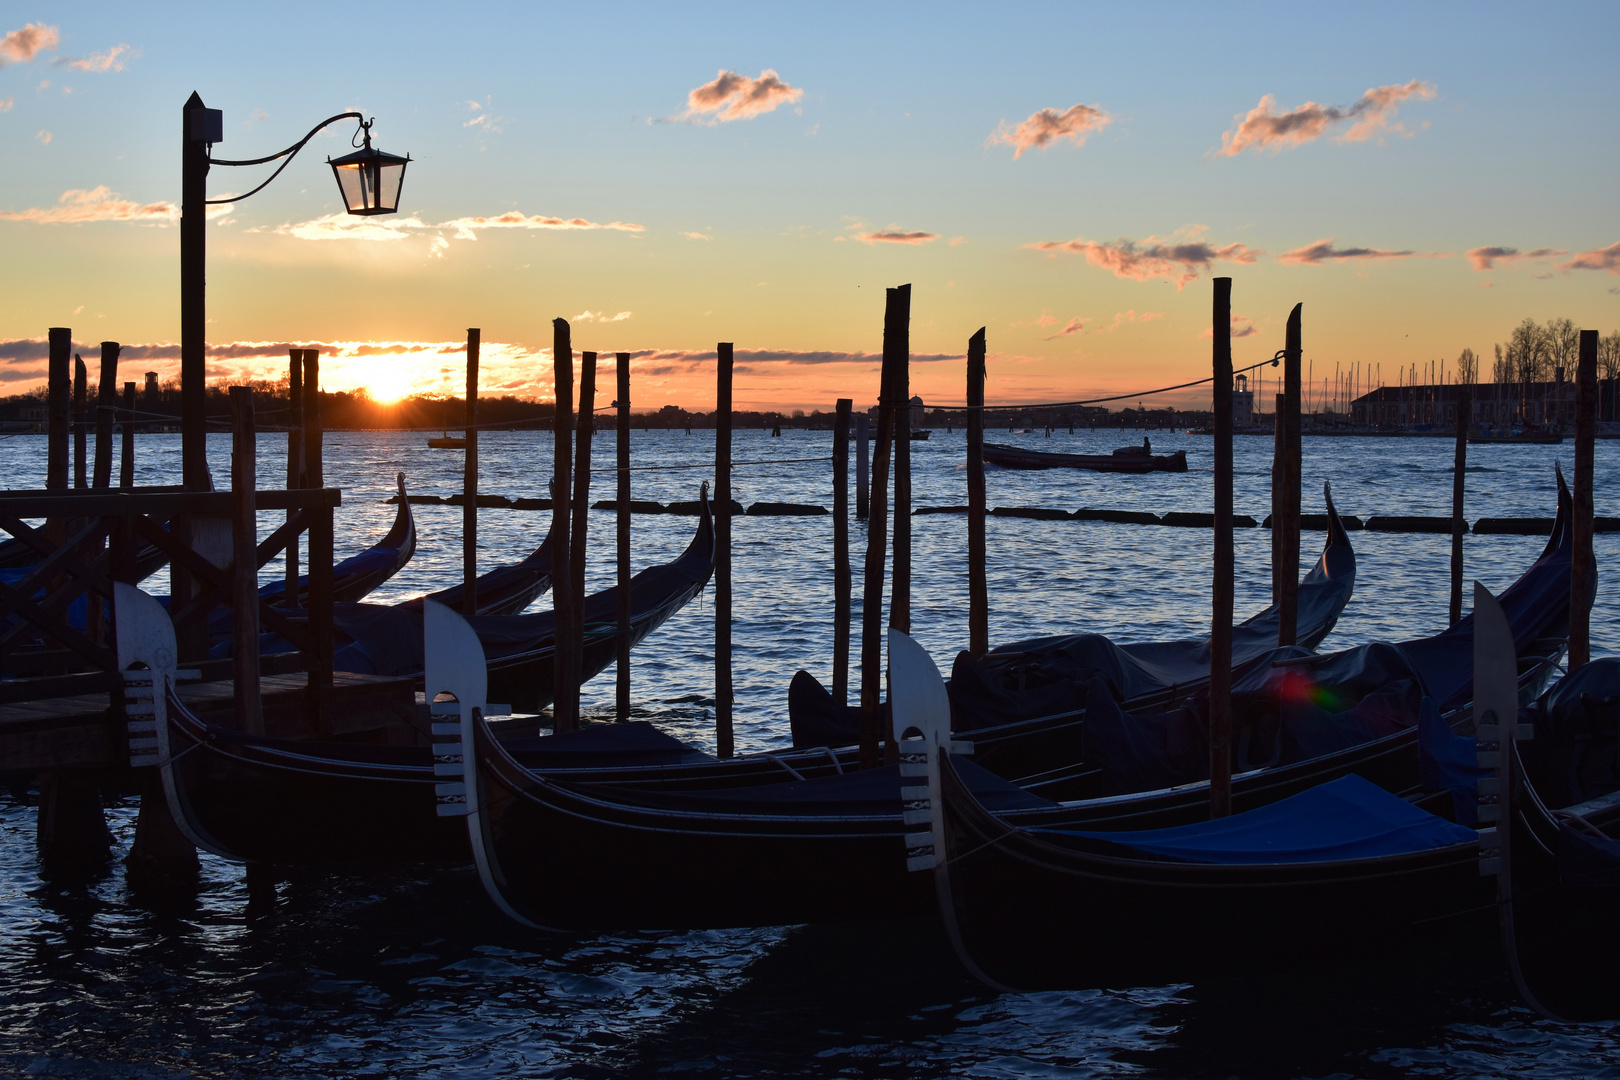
(1179, 261)
(347, 227)
(114, 59)
(97, 204)
(1241, 328)
(1074, 326)
(1602, 259)
(21, 46)
(599, 316)
(1043, 128)
(897, 236)
(1486, 258)
(1323, 251)
(1372, 114)
(6, 104)
(730, 96)
(465, 227)
(1123, 317)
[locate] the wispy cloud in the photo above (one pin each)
(893, 235)
(1601, 259)
(96, 204)
(1324, 251)
(348, 227)
(1073, 326)
(373, 229)
(114, 59)
(1372, 114)
(44, 136)
(1242, 327)
(1486, 258)
(1179, 260)
(1045, 127)
(21, 46)
(600, 316)
(466, 227)
(6, 104)
(697, 236)
(730, 96)
(1123, 317)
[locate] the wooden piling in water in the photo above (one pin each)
(622, 404)
(841, 570)
(723, 735)
(978, 579)
(81, 404)
(106, 406)
(578, 536)
(1459, 472)
(897, 351)
(565, 677)
(1288, 522)
(245, 557)
(877, 520)
(1279, 444)
(1220, 635)
(58, 395)
(863, 466)
(469, 485)
(295, 466)
(126, 453)
(314, 472)
(1583, 571)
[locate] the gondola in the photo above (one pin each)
(506, 590)
(1024, 702)
(1129, 459)
(355, 578)
(300, 801)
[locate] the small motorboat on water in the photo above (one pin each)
(1127, 459)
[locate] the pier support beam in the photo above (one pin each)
(841, 569)
(71, 833)
(106, 406)
(1583, 572)
(897, 351)
(126, 453)
(469, 485)
(161, 860)
(723, 734)
(1285, 518)
(578, 537)
(1220, 631)
(1459, 471)
(978, 581)
(565, 705)
(622, 405)
(863, 466)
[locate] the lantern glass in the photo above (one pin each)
(370, 181)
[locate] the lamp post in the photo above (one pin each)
(369, 182)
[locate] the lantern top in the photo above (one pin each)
(369, 179)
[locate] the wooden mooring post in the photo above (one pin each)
(469, 485)
(872, 725)
(295, 466)
(81, 416)
(1285, 518)
(723, 735)
(1583, 572)
(863, 466)
(58, 397)
(978, 581)
(622, 406)
(578, 536)
(106, 409)
(897, 351)
(1459, 472)
(841, 568)
(244, 557)
(126, 452)
(1220, 630)
(565, 705)
(314, 471)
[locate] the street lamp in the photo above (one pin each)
(369, 181)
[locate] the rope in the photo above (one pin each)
(1274, 361)
(710, 464)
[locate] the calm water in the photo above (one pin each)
(416, 974)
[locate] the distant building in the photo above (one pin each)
(918, 414)
(1242, 403)
(1496, 404)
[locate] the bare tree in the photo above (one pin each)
(1608, 357)
(1468, 367)
(1502, 370)
(1527, 347)
(1563, 345)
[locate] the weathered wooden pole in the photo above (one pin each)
(841, 569)
(1583, 572)
(1220, 631)
(126, 453)
(978, 579)
(314, 473)
(1285, 527)
(863, 466)
(197, 122)
(897, 351)
(245, 560)
(877, 521)
(723, 737)
(106, 408)
(81, 403)
(565, 706)
(58, 395)
(578, 536)
(622, 404)
(1459, 472)
(469, 485)
(295, 466)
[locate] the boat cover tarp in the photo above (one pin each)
(1575, 755)
(499, 582)
(373, 560)
(1450, 762)
(633, 743)
(1347, 818)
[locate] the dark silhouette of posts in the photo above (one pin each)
(1279, 443)
(565, 677)
(314, 473)
(622, 404)
(897, 353)
(1583, 572)
(584, 424)
(469, 485)
(81, 412)
(978, 580)
(863, 466)
(877, 521)
(723, 738)
(841, 569)
(295, 465)
(194, 294)
(1285, 519)
(245, 563)
(106, 407)
(58, 394)
(1220, 630)
(126, 453)
(1459, 472)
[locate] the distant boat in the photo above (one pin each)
(1129, 459)
(921, 436)
(448, 441)
(1527, 437)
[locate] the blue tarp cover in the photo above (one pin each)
(1347, 818)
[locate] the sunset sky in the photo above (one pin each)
(1421, 176)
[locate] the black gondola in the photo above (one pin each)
(1130, 459)
(506, 590)
(358, 576)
